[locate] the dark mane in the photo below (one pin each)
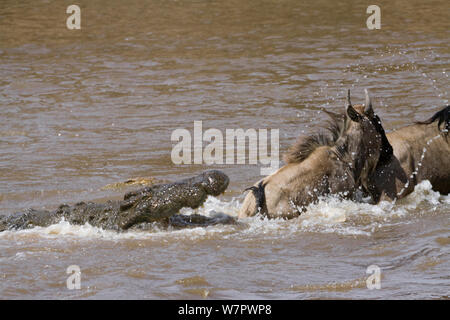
(386, 149)
(305, 145)
(443, 116)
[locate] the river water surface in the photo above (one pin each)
(83, 110)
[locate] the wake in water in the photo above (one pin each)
(329, 215)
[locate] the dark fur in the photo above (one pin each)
(260, 197)
(443, 116)
(386, 149)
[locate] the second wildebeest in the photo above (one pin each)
(421, 152)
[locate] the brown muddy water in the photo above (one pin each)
(84, 109)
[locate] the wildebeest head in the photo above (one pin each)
(360, 142)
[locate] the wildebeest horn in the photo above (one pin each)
(349, 103)
(368, 110)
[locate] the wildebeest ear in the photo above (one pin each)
(368, 108)
(349, 102)
(353, 114)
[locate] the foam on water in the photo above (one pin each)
(329, 215)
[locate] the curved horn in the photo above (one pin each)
(368, 109)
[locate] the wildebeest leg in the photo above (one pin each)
(260, 197)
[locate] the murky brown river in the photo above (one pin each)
(84, 109)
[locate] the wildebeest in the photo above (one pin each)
(421, 152)
(321, 164)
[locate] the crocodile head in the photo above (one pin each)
(214, 182)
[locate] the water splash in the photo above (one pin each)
(329, 215)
